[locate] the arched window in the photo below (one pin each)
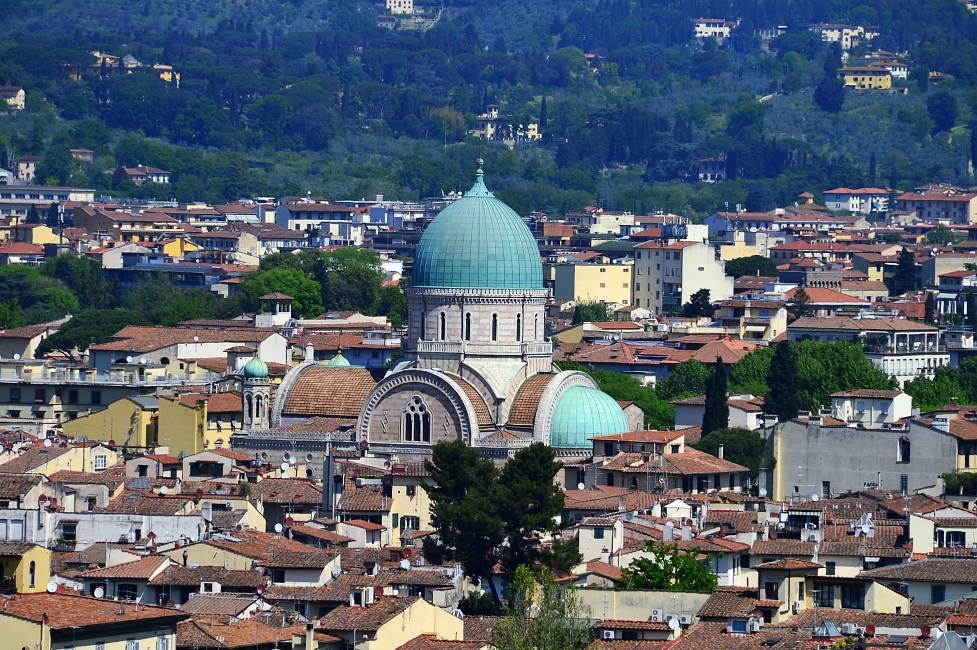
(416, 421)
(248, 408)
(423, 319)
(444, 328)
(33, 573)
(518, 327)
(468, 327)
(495, 327)
(259, 412)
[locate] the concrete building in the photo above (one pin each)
(815, 458)
(16, 200)
(864, 200)
(15, 97)
(847, 35)
(871, 409)
(666, 277)
(717, 28)
(929, 205)
(866, 78)
(606, 283)
(761, 320)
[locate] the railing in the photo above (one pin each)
(537, 348)
(439, 347)
(756, 320)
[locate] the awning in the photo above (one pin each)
(755, 328)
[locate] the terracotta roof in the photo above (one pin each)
(365, 525)
(616, 624)
(218, 604)
(479, 628)
(286, 490)
(788, 564)
(428, 642)
(15, 549)
(859, 325)
(621, 644)
(329, 391)
(321, 534)
(365, 498)
(604, 570)
(869, 394)
(142, 569)
(649, 436)
(306, 559)
(216, 402)
(65, 611)
(806, 618)
(930, 570)
(25, 332)
(790, 547)
(206, 632)
(193, 576)
(255, 544)
(146, 339)
(13, 486)
(693, 461)
(526, 401)
(147, 504)
(482, 414)
(33, 458)
(727, 602)
(365, 619)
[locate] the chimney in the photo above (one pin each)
(721, 449)
(309, 636)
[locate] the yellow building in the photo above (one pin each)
(129, 421)
(180, 427)
(34, 233)
(46, 460)
(741, 247)
(866, 78)
(46, 621)
(178, 248)
(26, 567)
(607, 283)
(390, 622)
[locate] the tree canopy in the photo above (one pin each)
(668, 569)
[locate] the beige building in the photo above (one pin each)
(606, 283)
(46, 621)
(743, 244)
(754, 319)
(15, 96)
(848, 35)
(131, 420)
(666, 277)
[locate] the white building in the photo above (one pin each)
(861, 201)
(717, 28)
(399, 7)
(666, 277)
(871, 409)
(848, 35)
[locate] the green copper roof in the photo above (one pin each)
(583, 412)
(338, 360)
(478, 242)
(256, 369)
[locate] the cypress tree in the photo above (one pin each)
(716, 415)
(929, 309)
(784, 383)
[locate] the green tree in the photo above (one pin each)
(783, 380)
(799, 305)
(10, 314)
(84, 278)
(198, 121)
(57, 166)
(759, 198)
(829, 94)
(905, 277)
(89, 327)
(591, 311)
(699, 305)
(716, 414)
(940, 234)
(740, 446)
(293, 282)
(562, 555)
(33, 216)
(688, 378)
(942, 109)
(930, 309)
(669, 569)
(464, 509)
(544, 615)
(530, 502)
(971, 304)
(752, 265)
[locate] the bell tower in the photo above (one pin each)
(256, 393)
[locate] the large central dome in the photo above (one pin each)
(478, 242)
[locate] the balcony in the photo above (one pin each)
(756, 320)
(438, 347)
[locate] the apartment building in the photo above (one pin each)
(608, 283)
(666, 277)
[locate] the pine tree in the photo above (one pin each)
(784, 383)
(716, 415)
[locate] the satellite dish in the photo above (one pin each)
(763, 492)
(99, 592)
(814, 497)
(52, 587)
(337, 571)
(628, 517)
(47, 442)
(285, 467)
(405, 565)
(17, 357)
(670, 524)
(143, 360)
(286, 475)
(163, 490)
(673, 624)
(196, 338)
(581, 486)
(129, 359)
(278, 528)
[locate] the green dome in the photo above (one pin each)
(583, 412)
(478, 242)
(256, 369)
(338, 360)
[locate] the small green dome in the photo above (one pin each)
(256, 369)
(338, 360)
(583, 412)
(478, 242)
